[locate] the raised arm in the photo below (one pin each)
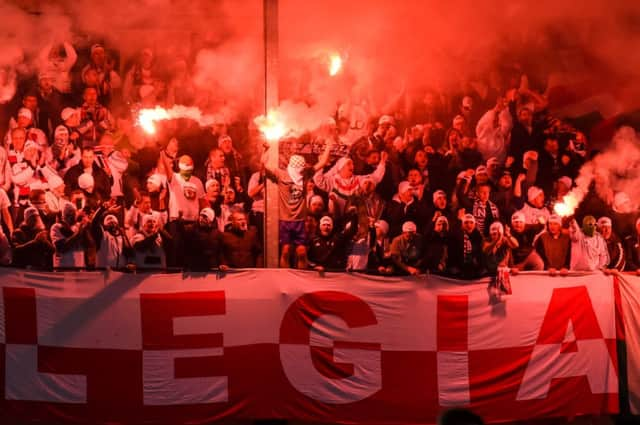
(265, 160)
(574, 230)
(378, 173)
(323, 159)
(71, 58)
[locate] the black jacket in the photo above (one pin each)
(396, 213)
(436, 251)
(458, 264)
(27, 251)
(330, 251)
(101, 180)
(201, 248)
(632, 252)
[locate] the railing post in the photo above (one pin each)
(271, 236)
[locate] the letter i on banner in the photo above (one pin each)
(453, 355)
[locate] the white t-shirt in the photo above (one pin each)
(183, 200)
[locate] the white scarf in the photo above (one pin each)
(295, 173)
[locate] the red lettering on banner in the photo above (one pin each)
(174, 371)
(453, 357)
(20, 316)
(113, 377)
(569, 344)
(24, 379)
(569, 307)
(453, 322)
(159, 311)
(344, 373)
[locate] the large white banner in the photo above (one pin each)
(630, 302)
(98, 346)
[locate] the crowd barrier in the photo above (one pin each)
(104, 346)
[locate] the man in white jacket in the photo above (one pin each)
(534, 210)
(588, 248)
(341, 183)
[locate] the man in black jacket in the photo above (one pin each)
(31, 244)
(101, 180)
(239, 246)
(404, 207)
(465, 250)
(407, 250)
(202, 243)
(525, 256)
(632, 250)
(436, 245)
(525, 136)
(328, 250)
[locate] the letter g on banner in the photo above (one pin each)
(336, 372)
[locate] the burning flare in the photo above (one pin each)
(335, 64)
(569, 203)
(271, 126)
(148, 117)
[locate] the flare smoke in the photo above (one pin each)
(396, 50)
(615, 174)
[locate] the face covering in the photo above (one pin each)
(589, 226)
(186, 171)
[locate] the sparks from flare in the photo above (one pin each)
(568, 205)
(147, 118)
(335, 64)
(271, 126)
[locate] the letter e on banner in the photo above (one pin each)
(179, 359)
(345, 373)
(570, 344)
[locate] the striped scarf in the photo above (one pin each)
(480, 214)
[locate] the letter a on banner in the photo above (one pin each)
(359, 363)
(570, 344)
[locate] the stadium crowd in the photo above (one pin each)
(461, 183)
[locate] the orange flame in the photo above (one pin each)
(335, 64)
(147, 118)
(271, 125)
(568, 205)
